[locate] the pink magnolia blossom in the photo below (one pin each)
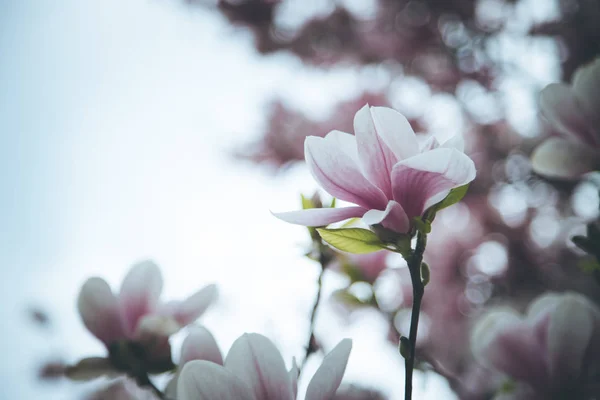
(383, 170)
(574, 111)
(255, 370)
(550, 353)
(136, 313)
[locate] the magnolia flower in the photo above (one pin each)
(550, 353)
(134, 326)
(136, 311)
(255, 370)
(383, 170)
(573, 111)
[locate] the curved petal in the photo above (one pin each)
(320, 216)
(561, 108)
(153, 325)
(565, 159)
(337, 172)
(255, 360)
(139, 293)
(204, 380)
(376, 158)
(569, 334)
(505, 342)
(586, 85)
(190, 309)
(294, 374)
(393, 218)
(425, 179)
(328, 377)
(99, 310)
(455, 142)
(396, 132)
(200, 344)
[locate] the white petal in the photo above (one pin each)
(99, 311)
(561, 158)
(337, 172)
(140, 292)
(190, 309)
(204, 380)
(377, 160)
(561, 108)
(393, 218)
(156, 325)
(455, 142)
(294, 373)
(255, 360)
(200, 344)
(328, 377)
(487, 328)
(586, 85)
(396, 132)
(320, 216)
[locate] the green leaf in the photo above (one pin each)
(589, 265)
(332, 205)
(421, 225)
(352, 240)
(453, 197)
(307, 203)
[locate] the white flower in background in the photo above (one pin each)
(574, 111)
(550, 353)
(255, 370)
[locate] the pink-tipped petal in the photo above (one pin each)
(328, 377)
(376, 158)
(562, 109)
(337, 172)
(99, 310)
(455, 142)
(396, 132)
(393, 218)
(569, 334)
(586, 85)
(320, 216)
(255, 360)
(190, 309)
(200, 344)
(425, 179)
(564, 159)
(204, 380)
(139, 293)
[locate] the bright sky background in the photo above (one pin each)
(117, 121)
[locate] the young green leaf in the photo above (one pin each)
(352, 240)
(307, 203)
(453, 197)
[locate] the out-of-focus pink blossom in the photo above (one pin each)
(574, 111)
(122, 389)
(352, 392)
(383, 170)
(550, 353)
(255, 370)
(136, 313)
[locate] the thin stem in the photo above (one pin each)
(311, 346)
(414, 267)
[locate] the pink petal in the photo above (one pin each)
(328, 377)
(336, 170)
(204, 380)
(425, 179)
(320, 216)
(200, 345)
(396, 132)
(99, 311)
(255, 360)
(561, 108)
(570, 332)
(139, 293)
(190, 309)
(375, 156)
(586, 85)
(393, 218)
(564, 159)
